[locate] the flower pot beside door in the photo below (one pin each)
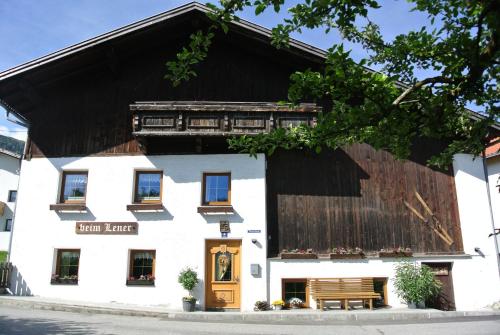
(188, 278)
(188, 304)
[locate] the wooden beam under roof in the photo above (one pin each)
(221, 106)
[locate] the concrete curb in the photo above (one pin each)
(245, 317)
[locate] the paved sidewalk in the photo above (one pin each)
(285, 316)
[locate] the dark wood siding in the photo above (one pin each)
(79, 106)
(353, 197)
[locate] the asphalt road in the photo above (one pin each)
(14, 321)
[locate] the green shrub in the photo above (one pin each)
(415, 283)
(188, 278)
(3, 256)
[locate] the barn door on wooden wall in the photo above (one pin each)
(222, 288)
(446, 299)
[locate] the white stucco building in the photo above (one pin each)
(177, 233)
(128, 180)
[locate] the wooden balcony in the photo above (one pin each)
(202, 118)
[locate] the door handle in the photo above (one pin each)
(237, 279)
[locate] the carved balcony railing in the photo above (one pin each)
(201, 118)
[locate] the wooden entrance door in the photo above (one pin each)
(446, 299)
(222, 288)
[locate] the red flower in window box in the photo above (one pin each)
(143, 280)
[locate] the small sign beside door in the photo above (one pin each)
(224, 227)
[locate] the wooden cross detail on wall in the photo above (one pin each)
(433, 223)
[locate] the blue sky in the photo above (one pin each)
(33, 28)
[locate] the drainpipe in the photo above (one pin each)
(486, 175)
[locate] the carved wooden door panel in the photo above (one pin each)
(222, 288)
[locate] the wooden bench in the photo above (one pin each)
(343, 290)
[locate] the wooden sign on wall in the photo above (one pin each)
(107, 228)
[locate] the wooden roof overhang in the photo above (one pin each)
(212, 118)
(22, 87)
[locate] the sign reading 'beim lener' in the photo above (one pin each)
(107, 228)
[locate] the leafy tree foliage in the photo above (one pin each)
(389, 109)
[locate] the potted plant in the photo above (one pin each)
(278, 304)
(298, 254)
(188, 278)
(415, 284)
(349, 253)
(295, 303)
(261, 305)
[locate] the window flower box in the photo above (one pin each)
(395, 253)
(342, 253)
(71, 280)
(298, 254)
(147, 280)
(141, 282)
(347, 256)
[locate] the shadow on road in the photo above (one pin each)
(24, 326)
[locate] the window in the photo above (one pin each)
(74, 186)
(216, 188)
(8, 225)
(12, 196)
(142, 267)
(223, 266)
(148, 186)
(66, 267)
(295, 288)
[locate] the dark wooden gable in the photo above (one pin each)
(79, 105)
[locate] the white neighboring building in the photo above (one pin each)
(493, 164)
(10, 163)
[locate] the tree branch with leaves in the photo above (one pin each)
(390, 109)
